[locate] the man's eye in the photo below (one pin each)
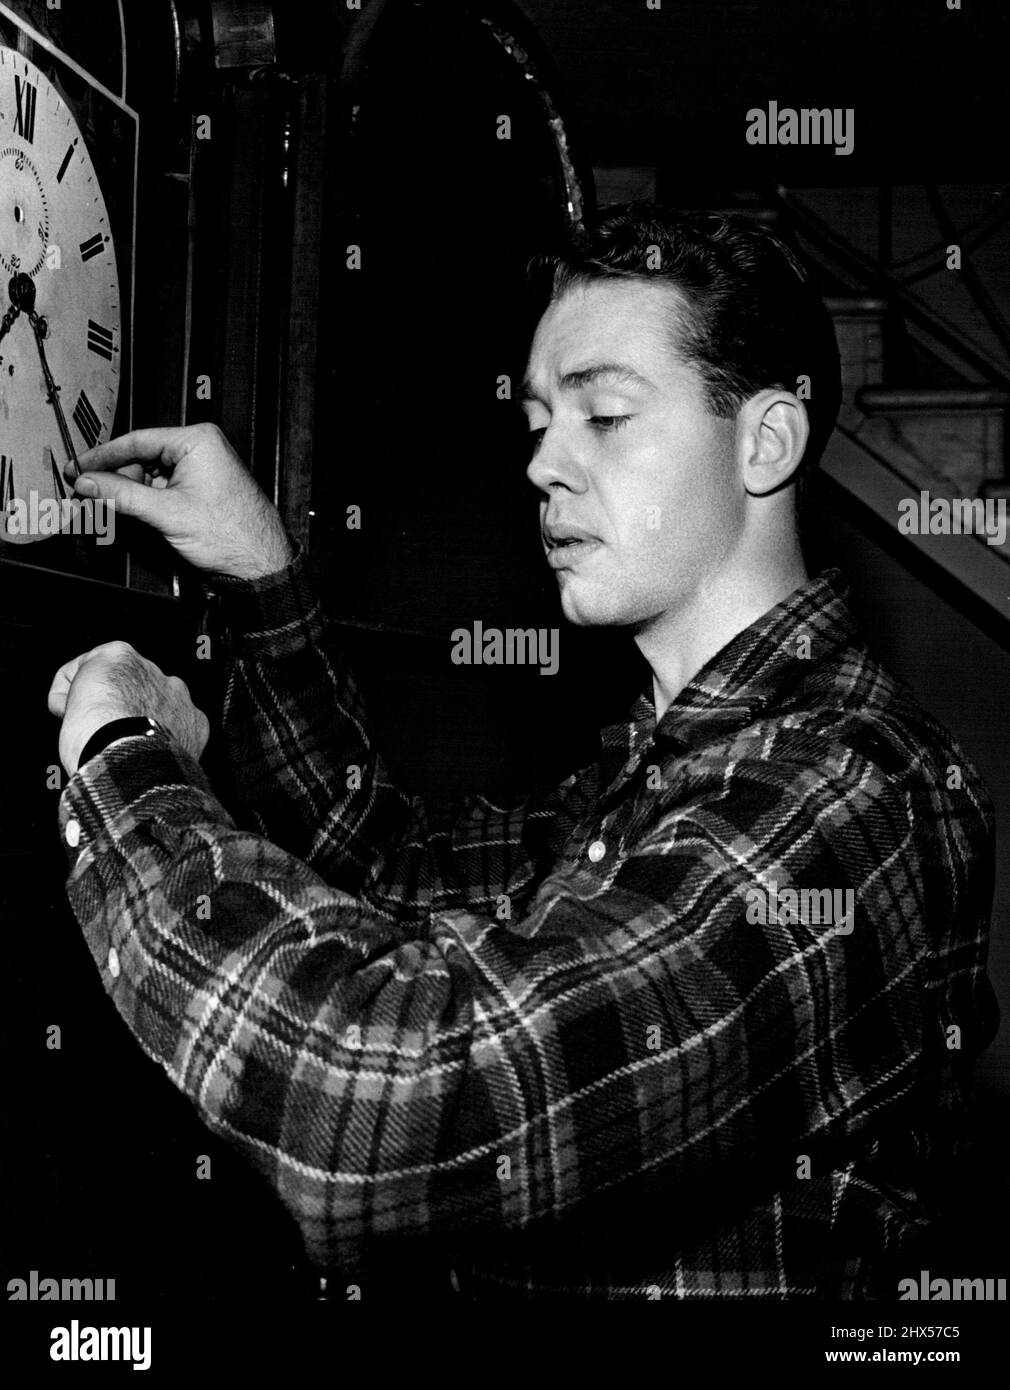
(535, 439)
(609, 422)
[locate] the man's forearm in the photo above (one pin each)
(298, 752)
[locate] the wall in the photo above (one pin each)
(962, 676)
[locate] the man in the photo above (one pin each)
(698, 1022)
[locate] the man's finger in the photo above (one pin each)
(56, 700)
(164, 446)
(64, 679)
(135, 472)
(67, 674)
(151, 505)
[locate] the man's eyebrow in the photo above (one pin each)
(590, 376)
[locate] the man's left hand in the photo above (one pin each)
(114, 681)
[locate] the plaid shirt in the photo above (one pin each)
(560, 1038)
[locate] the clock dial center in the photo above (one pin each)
(24, 236)
(21, 292)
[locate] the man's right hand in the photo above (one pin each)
(189, 484)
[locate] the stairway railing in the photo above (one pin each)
(881, 280)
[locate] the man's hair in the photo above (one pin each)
(753, 317)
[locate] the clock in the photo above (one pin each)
(62, 353)
(67, 204)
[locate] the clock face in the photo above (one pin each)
(54, 229)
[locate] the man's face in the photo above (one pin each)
(628, 456)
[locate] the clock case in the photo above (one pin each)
(99, 1129)
(272, 138)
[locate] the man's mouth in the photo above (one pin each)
(566, 544)
(564, 535)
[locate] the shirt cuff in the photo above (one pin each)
(141, 779)
(272, 616)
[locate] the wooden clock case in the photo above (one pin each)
(271, 140)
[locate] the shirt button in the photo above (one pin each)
(597, 850)
(73, 833)
(454, 1280)
(114, 962)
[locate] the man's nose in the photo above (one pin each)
(555, 462)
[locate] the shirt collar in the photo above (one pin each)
(756, 668)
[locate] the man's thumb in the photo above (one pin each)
(127, 498)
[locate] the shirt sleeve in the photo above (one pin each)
(299, 760)
(485, 1074)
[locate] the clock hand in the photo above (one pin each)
(22, 295)
(8, 319)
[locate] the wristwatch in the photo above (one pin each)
(130, 727)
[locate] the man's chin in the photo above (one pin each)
(590, 610)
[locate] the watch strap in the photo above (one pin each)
(130, 727)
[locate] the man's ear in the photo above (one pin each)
(772, 433)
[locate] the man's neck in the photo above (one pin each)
(680, 642)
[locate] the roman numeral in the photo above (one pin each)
(6, 481)
(87, 421)
(66, 163)
(94, 246)
(100, 340)
(24, 121)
